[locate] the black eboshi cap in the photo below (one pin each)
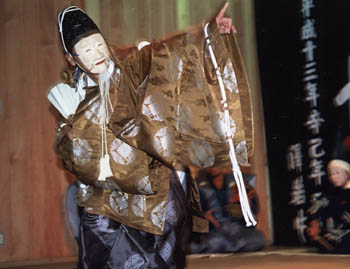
(73, 25)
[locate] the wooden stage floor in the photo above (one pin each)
(271, 259)
(281, 258)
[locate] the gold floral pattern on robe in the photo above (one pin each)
(167, 115)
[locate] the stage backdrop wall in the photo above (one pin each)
(303, 49)
(31, 178)
(33, 182)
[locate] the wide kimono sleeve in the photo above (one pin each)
(175, 111)
(64, 146)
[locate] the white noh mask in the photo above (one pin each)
(92, 54)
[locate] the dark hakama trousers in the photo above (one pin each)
(105, 243)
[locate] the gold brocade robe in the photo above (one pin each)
(167, 115)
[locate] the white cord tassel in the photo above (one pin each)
(247, 214)
(105, 168)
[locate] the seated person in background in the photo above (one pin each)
(329, 228)
(220, 204)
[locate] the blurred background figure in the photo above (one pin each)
(329, 228)
(221, 206)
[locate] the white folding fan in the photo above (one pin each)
(64, 98)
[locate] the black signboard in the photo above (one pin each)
(303, 50)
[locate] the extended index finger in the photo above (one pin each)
(222, 11)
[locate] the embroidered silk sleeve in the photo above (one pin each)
(176, 113)
(63, 146)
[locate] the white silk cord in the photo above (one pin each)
(247, 214)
